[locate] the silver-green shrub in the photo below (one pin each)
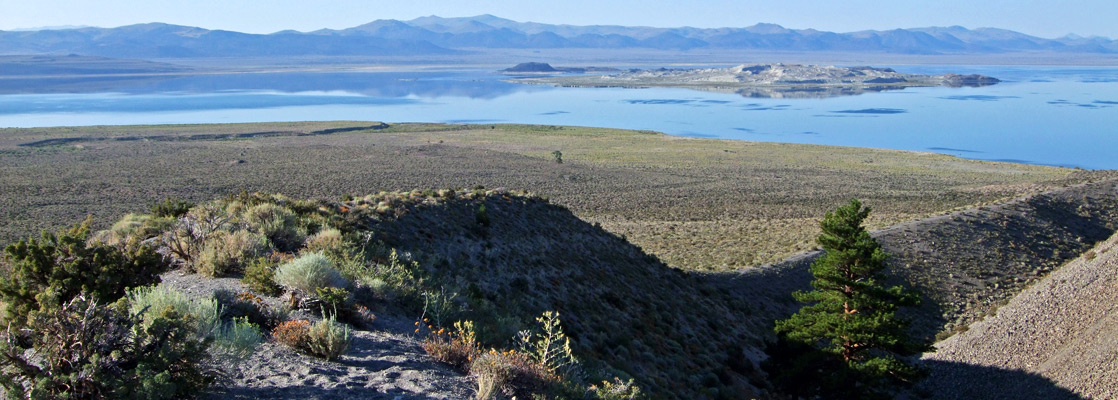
(151, 301)
(236, 341)
(309, 272)
(328, 339)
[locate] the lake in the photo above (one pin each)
(1065, 116)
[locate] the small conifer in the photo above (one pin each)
(851, 316)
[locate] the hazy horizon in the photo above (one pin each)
(1042, 18)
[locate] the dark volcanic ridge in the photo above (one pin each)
(545, 68)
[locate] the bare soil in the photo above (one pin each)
(383, 363)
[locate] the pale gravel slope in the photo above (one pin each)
(1063, 329)
(385, 362)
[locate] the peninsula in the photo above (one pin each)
(770, 80)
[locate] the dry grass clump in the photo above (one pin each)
(294, 334)
(133, 226)
(511, 374)
(543, 366)
(326, 339)
(225, 252)
(326, 240)
(457, 347)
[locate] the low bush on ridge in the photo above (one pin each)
(86, 350)
(543, 365)
(326, 338)
(81, 324)
(224, 253)
(56, 268)
(308, 273)
(325, 255)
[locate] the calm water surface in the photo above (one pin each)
(1045, 115)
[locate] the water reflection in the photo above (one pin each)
(809, 92)
(375, 84)
(1066, 122)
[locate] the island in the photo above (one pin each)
(769, 80)
(545, 68)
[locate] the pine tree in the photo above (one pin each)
(850, 317)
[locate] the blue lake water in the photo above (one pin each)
(1065, 116)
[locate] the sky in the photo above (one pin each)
(1044, 18)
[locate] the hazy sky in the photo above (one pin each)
(1045, 18)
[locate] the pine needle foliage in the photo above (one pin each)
(851, 316)
(59, 267)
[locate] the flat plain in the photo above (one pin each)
(698, 204)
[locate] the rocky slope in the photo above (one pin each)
(1059, 335)
(771, 80)
(384, 361)
(965, 263)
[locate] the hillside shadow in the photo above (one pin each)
(800, 371)
(953, 380)
(512, 257)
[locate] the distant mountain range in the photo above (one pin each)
(435, 35)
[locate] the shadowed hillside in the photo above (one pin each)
(619, 305)
(966, 263)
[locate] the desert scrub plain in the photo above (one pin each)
(501, 259)
(697, 204)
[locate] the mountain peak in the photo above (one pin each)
(489, 31)
(767, 29)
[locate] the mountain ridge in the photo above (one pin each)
(438, 35)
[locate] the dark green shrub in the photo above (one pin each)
(335, 299)
(481, 216)
(260, 276)
(276, 222)
(251, 307)
(171, 207)
(56, 268)
(85, 350)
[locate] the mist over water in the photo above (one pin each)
(1044, 115)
